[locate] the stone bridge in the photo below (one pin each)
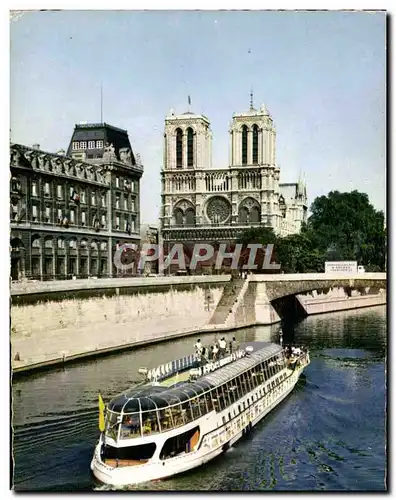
(256, 304)
(282, 285)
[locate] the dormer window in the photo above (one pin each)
(91, 144)
(75, 146)
(99, 144)
(83, 145)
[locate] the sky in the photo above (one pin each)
(322, 75)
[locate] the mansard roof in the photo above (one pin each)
(108, 134)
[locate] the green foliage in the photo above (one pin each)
(261, 235)
(342, 226)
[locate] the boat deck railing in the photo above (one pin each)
(167, 370)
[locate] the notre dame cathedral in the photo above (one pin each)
(204, 204)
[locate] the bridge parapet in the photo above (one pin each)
(282, 285)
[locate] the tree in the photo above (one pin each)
(259, 236)
(346, 226)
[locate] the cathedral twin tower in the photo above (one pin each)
(200, 203)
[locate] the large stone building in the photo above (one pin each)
(203, 204)
(70, 213)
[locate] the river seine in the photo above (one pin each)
(328, 434)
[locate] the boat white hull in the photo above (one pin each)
(213, 444)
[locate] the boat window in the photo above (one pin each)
(187, 413)
(232, 391)
(177, 415)
(195, 408)
(150, 423)
(227, 393)
(131, 405)
(238, 383)
(202, 404)
(112, 420)
(249, 380)
(253, 377)
(245, 383)
(130, 426)
(140, 452)
(215, 400)
(265, 370)
(220, 397)
(182, 443)
(165, 419)
(271, 367)
(208, 400)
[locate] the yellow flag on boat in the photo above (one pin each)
(101, 414)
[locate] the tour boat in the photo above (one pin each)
(187, 412)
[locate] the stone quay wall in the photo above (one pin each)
(56, 328)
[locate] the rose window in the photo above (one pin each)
(218, 210)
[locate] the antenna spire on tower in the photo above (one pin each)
(251, 99)
(189, 103)
(101, 102)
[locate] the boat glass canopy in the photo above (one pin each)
(149, 398)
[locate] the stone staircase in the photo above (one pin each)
(224, 307)
(245, 313)
(231, 319)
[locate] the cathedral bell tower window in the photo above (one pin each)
(190, 147)
(179, 148)
(244, 144)
(255, 145)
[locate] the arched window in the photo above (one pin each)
(190, 217)
(243, 215)
(178, 217)
(190, 147)
(36, 242)
(48, 242)
(255, 145)
(179, 148)
(254, 215)
(244, 144)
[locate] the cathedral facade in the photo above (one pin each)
(205, 204)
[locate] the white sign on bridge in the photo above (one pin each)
(344, 266)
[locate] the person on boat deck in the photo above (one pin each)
(233, 345)
(222, 347)
(198, 346)
(215, 351)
